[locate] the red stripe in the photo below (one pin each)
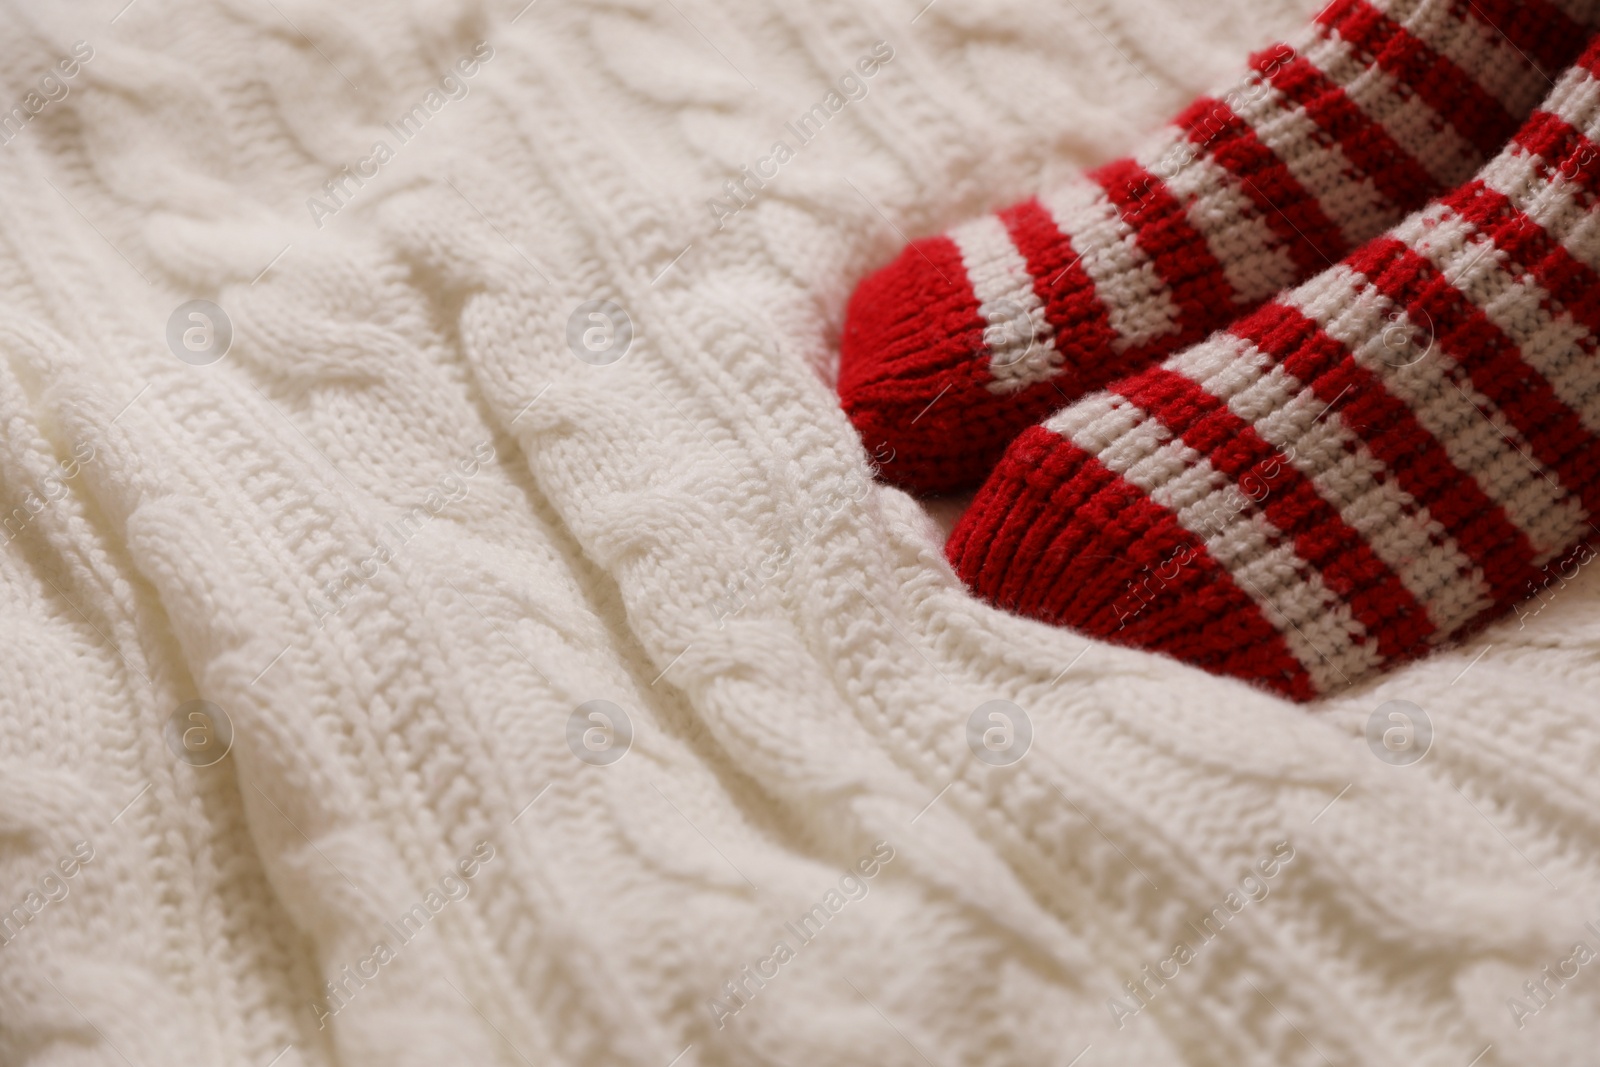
(1389, 428)
(1055, 535)
(1399, 177)
(1177, 251)
(1452, 93)
(1493, 364)
(1294, 215)
(1349, 567)
(1083, 333)
(1542, 32)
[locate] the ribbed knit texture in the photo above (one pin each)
(1391, 454)
(969, 337)
(691, 533)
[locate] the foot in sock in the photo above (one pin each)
(1388, 456)
(970, 337)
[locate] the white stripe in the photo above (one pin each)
(1019, 339)
(1224, 365)
(1138, 306)
(1346, 195)
(1339, 466)
(1380, 335)
(1315, 623)
(1435, 144)
(1254, 259)
(1102, 421)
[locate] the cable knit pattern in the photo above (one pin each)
(1327, 139)
(691, 533)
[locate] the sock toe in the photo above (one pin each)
(912, 338)
(1057, 536)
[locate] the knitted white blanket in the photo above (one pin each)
(569, 708)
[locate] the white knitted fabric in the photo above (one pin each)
(400, 533)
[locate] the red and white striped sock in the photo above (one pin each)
(1395, 452)
(971, 336)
